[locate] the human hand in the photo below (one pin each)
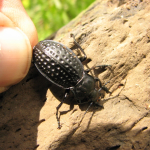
(17, 37)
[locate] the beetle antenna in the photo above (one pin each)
(84, 57)
(86, 112)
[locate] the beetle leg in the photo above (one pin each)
(102, 87)
(105, 89)
(85, 113)
(103, 66)
(99, 105)
(88, 70)
(58, 107)
(98, 80)
(81, 58)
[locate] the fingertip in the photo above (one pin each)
(15, 56)
(3, 89)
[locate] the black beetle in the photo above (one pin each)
(61, 66)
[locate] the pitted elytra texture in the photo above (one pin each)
(58, 62)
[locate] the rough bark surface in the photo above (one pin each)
(114, 32)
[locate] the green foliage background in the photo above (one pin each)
(50, 15)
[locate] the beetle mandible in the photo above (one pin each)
(61, 66)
